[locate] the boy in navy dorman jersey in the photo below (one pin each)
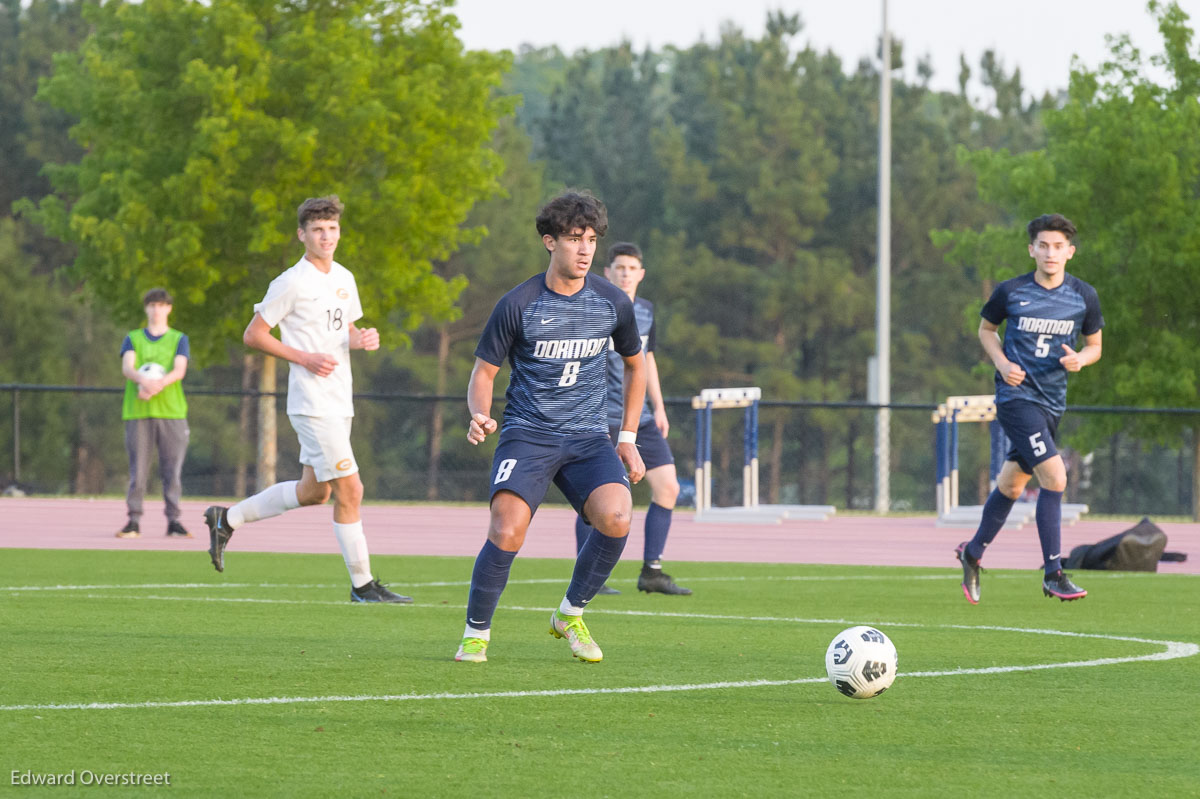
(1046, 311)
(555, 330)
(626, 272)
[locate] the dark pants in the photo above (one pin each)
(170, 438)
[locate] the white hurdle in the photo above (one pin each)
(976, 408)
(750, 511)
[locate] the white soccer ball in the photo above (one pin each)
(152, 369)
(861, 662)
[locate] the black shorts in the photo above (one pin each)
(1030, 429)
(526, 462)
(650, 443)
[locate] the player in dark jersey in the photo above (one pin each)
(625, 271)
(555, 330)
(1046, 311)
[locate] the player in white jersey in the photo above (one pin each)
(315, 304)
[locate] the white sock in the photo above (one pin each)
(269, 502)
(565, 608)
(354, 551)
(471, 632)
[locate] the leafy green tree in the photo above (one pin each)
(205, 124)
(761, 157)
(443, 353)
(749, 163)
(32, 133)
(536, 76)
(55, 337)
(1122, 159)
(595, 131)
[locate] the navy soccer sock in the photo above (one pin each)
(595, 563)
(487, 583)
(582, 531)
(658, 524)
(1049, 524)
(995, 514)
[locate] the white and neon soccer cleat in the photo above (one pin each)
(576, 632)
(472, 650)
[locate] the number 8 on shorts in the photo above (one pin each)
(504, 470)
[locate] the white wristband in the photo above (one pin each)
(626, 437)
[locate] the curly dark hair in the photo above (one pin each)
(1046, 222)
(571, 210)
(329, 207)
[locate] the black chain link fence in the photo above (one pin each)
(70, 440)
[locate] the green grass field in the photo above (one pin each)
(148, 662)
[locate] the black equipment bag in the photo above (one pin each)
(1138, 549)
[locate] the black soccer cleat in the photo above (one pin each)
(376, 591)
(971, 570)
(177, 530)
(218, 535)
(658, 581)
(130, 530)
(607, 590)
(1060, 585)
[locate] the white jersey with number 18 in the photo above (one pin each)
(314, 310)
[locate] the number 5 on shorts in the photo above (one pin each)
(1035, 441)
(504, 471)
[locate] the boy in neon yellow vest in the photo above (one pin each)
(154, 360)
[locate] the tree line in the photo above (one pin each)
(170, 140)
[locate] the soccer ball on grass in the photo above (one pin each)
(861, 662)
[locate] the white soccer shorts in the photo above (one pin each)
(325, 445)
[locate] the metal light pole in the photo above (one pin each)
(883, 300)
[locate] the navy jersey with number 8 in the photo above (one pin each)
(557, 347)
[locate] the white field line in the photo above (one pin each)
(565, 579)
(1171, 650)
(1174, 649)
(653, 614)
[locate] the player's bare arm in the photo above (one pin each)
(364, 338)
(149, 386)
(479, 401)
(654, 391)
(634, 398)
(258, 336)
(145, 383)
(989, 337)
(153, 385)
(1073, 361)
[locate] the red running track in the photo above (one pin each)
(66, 523)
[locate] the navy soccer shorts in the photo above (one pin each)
(1031, 429)
(526, 462)
(650, 443)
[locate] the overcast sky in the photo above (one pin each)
(1039, 36)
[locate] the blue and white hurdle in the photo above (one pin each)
(750, 511)
(976, 408)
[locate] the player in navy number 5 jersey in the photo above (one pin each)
(555, 330)
(1046, 312)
